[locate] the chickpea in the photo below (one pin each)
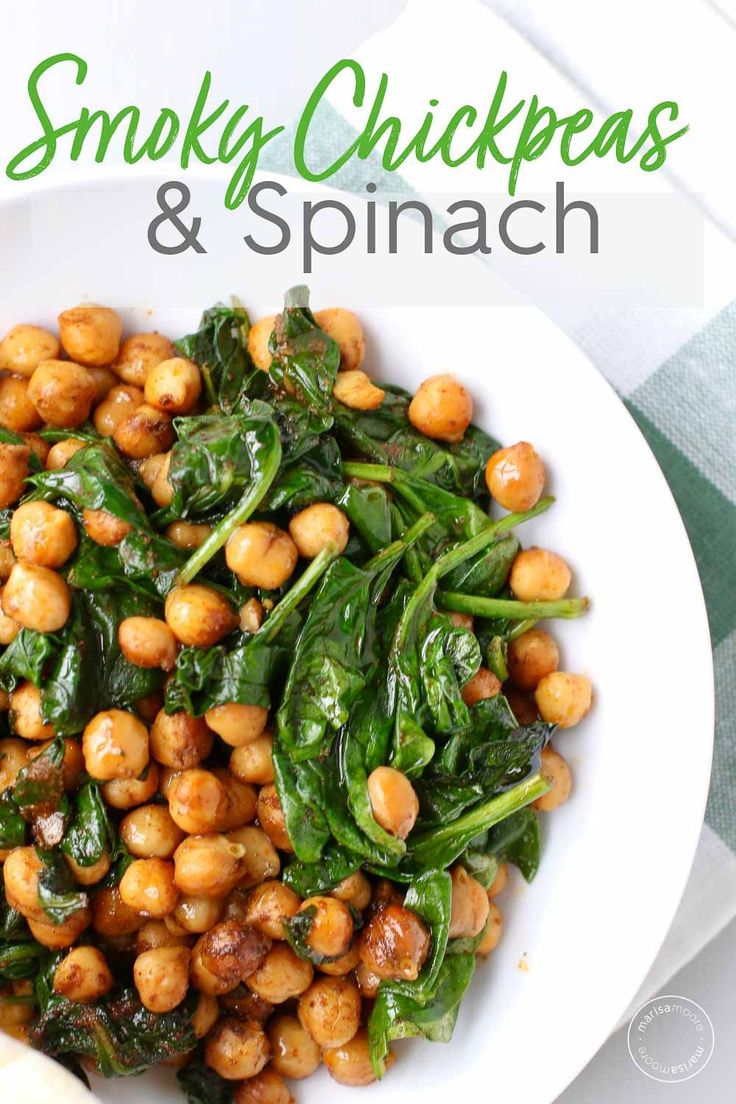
(259, 336)
(161, 977)
(149, 468)
(260, 861)
(394, 943)
(355, 890)
(261, 555)
(367, 981)
(115, 745)
(350, 1064)
(356, 390)
(127, 793)
(244, 1005)
(150, 833)
(7, 559)
(72, 764)
(155, 933)
(147, 642)
(237, 724)
(316, 527)
(91, 334)
(205, 1015)
(37, 597)
(253, 762)
(15, 1018)
(531, 656)
(83, 975)
(111, 917)
(42, 534)
(13, 472)
(38, 446)
(20, 872)
(344, 328)
(105, 379)
(226, 954)
(499, 882)
(198, 914)
(345, 964)
(281, 976)
(9, 628)
(521, 706)
(469, 905)
(168, 776)
(482, 685)
(104, 528)
(394, 803)
(563, 698)
(331, 931)
(13, 757)
(330, 1011)
(494, 926)
(24, 347)
(202, 801)
(144, 433)
(62, 393)
(441, 408)
(25, 713)
(267, 1087)
(251, 616)
(61, 453)
(295, 1053)
(138, 354)
(173, 386)
(554, 768)
(4, 701)
(269, 905)
(118, 404)
(208, 866)
(515, 476)
(385, 893)
(179, 740)
(89, 875)
(538, 575)
(148, 887)
(236, 1050)
(17, 406)
(59, 936)
(271, 818)
(188, 535)
(199, 615)
(162, 491)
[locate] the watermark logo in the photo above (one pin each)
(671, 1039)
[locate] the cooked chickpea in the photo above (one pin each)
(105, 379)
(245, 1005)
(61, 453)
(251, 616)
(4, 701)
(25, 713)
(20, 872)
(13, 757)
(523, 708)
(563, 698)
(173, 386)
(331, 931)
(494, 927)
(354, 890)
(91, 334)
(225, 955)
(149, 707)
(18, 409)
(330, 1011)
(515, 476)
(161, 977)
(62, 393)
(539, 575)
(202, 801)
(267, 1087)
(345, 964)
(271, 818)
(150, 833)
(344, 328)
(554, 768)
(127, 793)
(253, 762)
(155, 933)
(350, 1064)
(236, 1050)
(24, 347)
(187, 534)
(198, 914)
(59, 936)
(138, 354)
(83, 975)
(441, 408)
(498, 884)
(295, 1054)
(147, 642)
(37, 597)
(115, 745)
(469, 905)
(366, 980)
(259, 336)
(318, 526)
(42, 534)
(261, 860)
(394, 803)
(205, 1015)
(394, 943)
(144, 433)
(482, 685)
(38, 446)
(111, 917)
(237, 724)
(208, 866)
(148, 887)
(269, 905)
(261, 555)
(9, 628)
(199, 615)
(104, 528)
(118, 404)
(162, 492)
(531, 656)
(150, 467)
(179, 740)
(72, 764)
(281, 976)
(89, 875)
(13, 472)
(356, 390)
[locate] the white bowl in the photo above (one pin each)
(578, 942)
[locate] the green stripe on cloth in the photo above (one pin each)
(721, 812)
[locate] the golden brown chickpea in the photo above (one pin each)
(350, 1064)
(258, 339)
(498, 884)
(366, 980)
(441, 408)
(269, 905)
(179, 740)
(187, 534)
(318, 526)
(330, 1011)
(394, 943)
(563, 698)
(105, 379)
(331, 931)
(104, 528)
(394, 803)
(24, 347)
(295, 1054)
(173, 386)
(539, 575)
(251, 616)
(345, 964)
(162, 492)
(494, 926)
(260, 861)
(20, 872)
(13, 472)
(155, 933)
(89, 875)
(265, 1088)
(356, 390)
(144, 433)
(150, 833)
(138, 354)
(244, 1005)
(531, 656)
(62, 393)
(13, 757)
(60, 453)
(236, 1050)
(127, 793)
(9, 628)
(58, 936)
(115, 745)
(72, 764)
(554, 768)
(469, 905)
(515, 476)
(37, 597)
(42, 534)
(147, 642)
(7, 559)
(344, 328)
(161, 977)
(83, 976)
(523, 708)
(202, 801)
(17, 407)
(253, 762)
(237, 724)
(271, 818)
(149, 468)
(25, 713)
(111, 917)
(482, 685)
(208, 866)
(355, 890)
(198, 615)
(148, 887)
(226, 954)
(261, 555)
(198, 914)
(37, 445)
(90, 334)
(205, 1015)
(281, 976)
(118, 404)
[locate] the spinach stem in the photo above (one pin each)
(507, 607)
(300, 589)
(376, 473)
(402, 544)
